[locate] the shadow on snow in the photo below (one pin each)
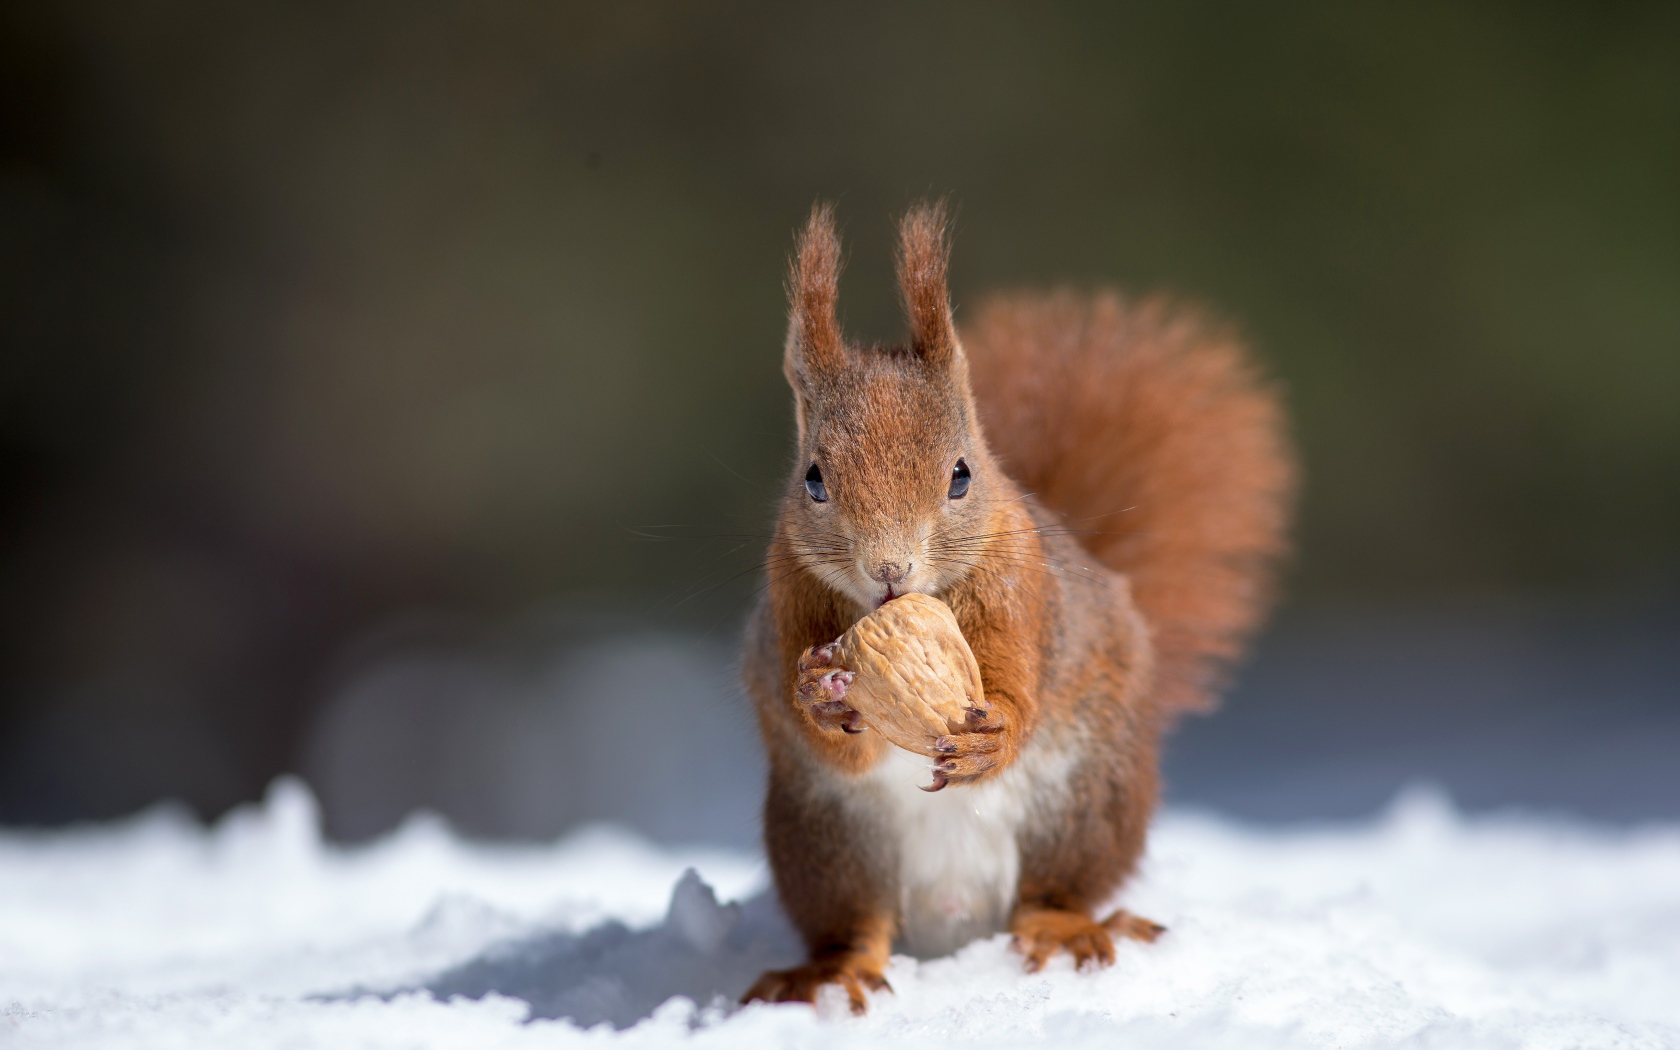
(702, 950)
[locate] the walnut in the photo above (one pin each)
(915, 677)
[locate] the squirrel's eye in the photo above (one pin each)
(814, 484)
(959, 480)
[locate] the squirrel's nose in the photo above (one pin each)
(892, 571)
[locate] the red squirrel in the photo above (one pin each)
(1099, 490)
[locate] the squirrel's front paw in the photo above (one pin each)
(980, 746)
(822, 690)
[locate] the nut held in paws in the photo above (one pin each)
(916, 676)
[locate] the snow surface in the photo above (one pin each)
(1421, 928)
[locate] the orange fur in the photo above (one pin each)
(1148, 430)
(1142, 436)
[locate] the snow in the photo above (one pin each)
(1421, 928)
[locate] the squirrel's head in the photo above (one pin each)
(893, 487)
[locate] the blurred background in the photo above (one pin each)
(349, 354)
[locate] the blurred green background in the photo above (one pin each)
(314, 317)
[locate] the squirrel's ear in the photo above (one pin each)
(814, 343)
(923, 254)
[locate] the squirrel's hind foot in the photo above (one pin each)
(1040, 933)
(850, 970)
(1133, 927)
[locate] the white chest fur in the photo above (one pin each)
(959, 862)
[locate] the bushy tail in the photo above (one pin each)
(1153, 434)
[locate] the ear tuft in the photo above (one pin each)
(923, 255)
(814, 342)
